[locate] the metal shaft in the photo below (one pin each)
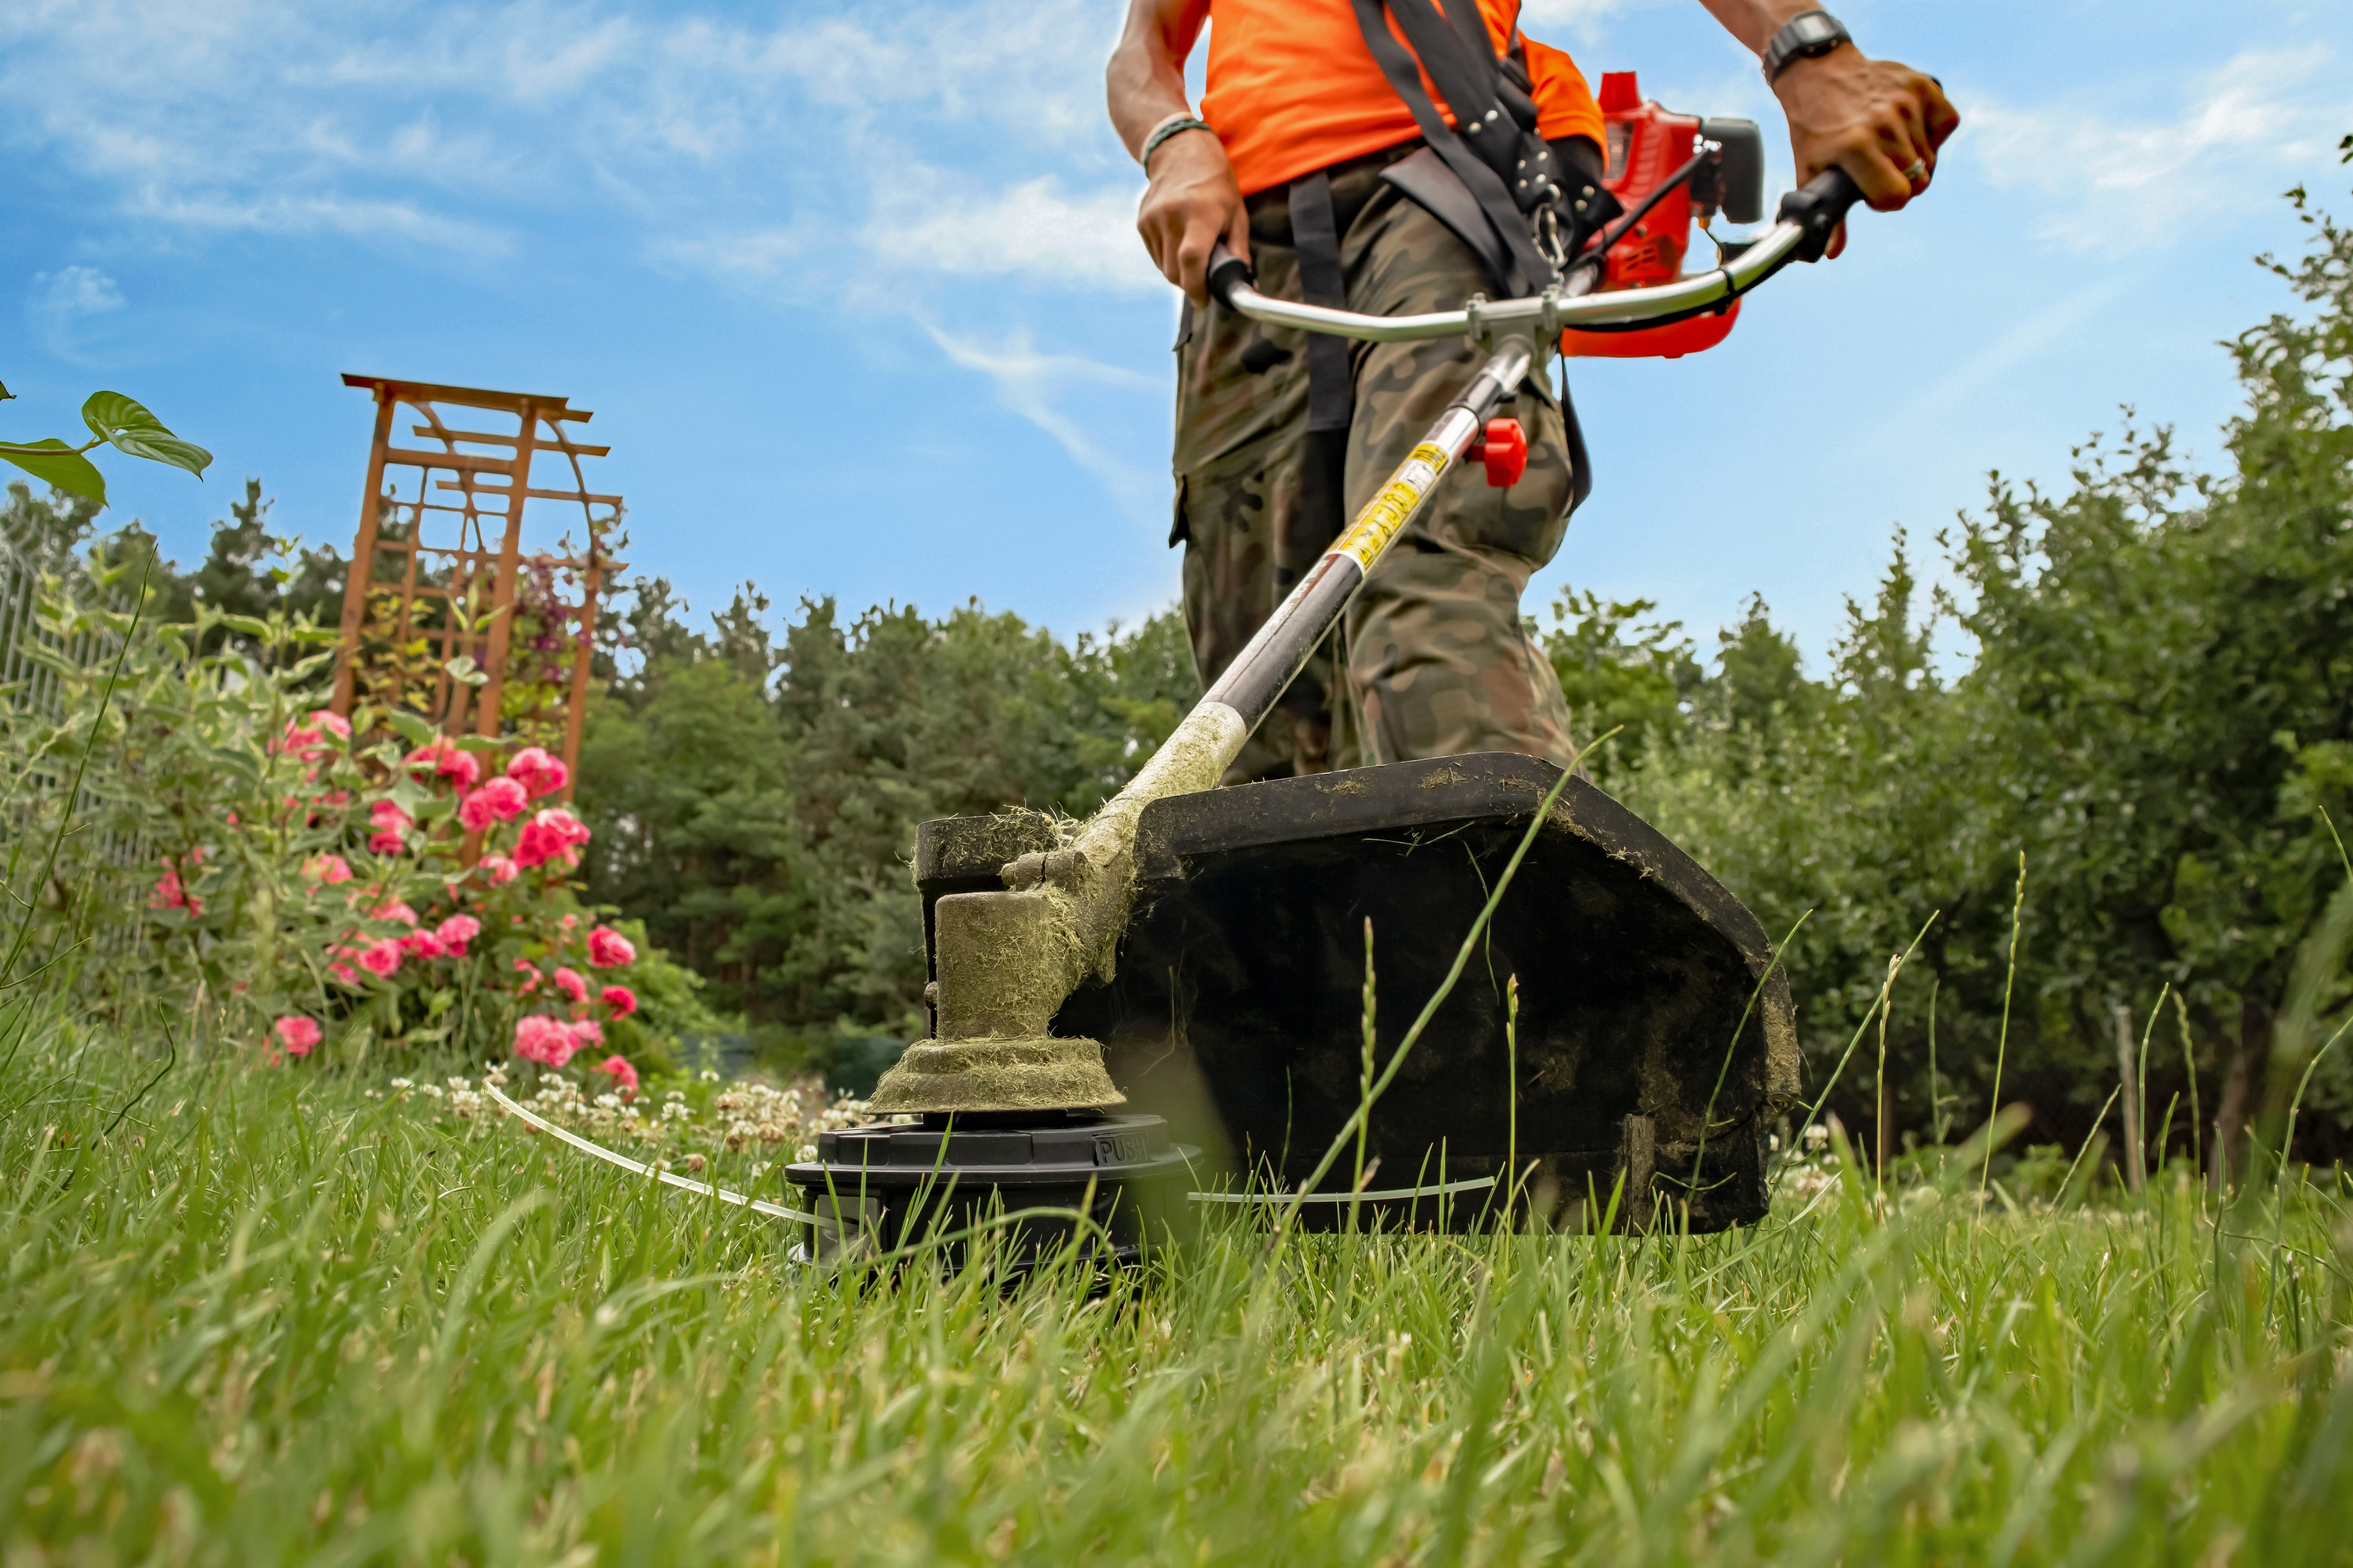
(1274, 657)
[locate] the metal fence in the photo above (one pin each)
(37, 696)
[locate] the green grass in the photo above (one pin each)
(272, 1319)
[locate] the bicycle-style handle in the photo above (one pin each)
(1818, 207)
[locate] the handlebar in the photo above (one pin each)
(1801, 231)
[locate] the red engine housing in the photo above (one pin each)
(1645, 145)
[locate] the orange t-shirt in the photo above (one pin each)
(1293, 89)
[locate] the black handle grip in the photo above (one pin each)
(1818, 206)
(1226, 269)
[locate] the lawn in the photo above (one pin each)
(281, 1314)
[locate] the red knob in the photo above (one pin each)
(1503, 447)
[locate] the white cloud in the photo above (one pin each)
(1582, 20)
(75, 291)
(377, 222)
(1033, 385)
(1032, 228)
(60, 300)
(2048, 332)
(2265, 118)
(876, 156)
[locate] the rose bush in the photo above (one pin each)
(323, 886)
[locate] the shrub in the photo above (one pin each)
(313, 884)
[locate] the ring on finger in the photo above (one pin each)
(1918, 172)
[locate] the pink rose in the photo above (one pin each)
(400, 912)
(553, 835)
(568, 980)
(443, 758)
(587, 1032)
(391, 822)
(625, 1077)
(608, 949)
(297, 1034)
(537, 846)
(333, 723)
(344, 972)
(456, 932)
(525, 967)
(537, 771)
(502, 869)
(381, 958)
(620, 999)
(501, 800)
(422, 945)
(329, 870)
(540, 1039)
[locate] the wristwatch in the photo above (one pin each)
(1803, 38)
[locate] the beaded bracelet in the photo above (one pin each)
(1174, 125)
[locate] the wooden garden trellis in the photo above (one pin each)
(439, 571)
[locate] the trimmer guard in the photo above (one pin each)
(1238, 1008)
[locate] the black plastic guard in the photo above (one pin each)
(1237, 1012)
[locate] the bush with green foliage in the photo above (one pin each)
(2158, 714)
(193, 839)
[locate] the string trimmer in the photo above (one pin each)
(1008, 1104)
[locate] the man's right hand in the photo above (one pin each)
(1192, 203)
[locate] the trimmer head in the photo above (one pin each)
(892, 1185)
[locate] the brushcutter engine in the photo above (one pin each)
(1669, 172)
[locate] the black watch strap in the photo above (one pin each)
(1802, 37)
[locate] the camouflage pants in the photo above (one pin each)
(1432, 658)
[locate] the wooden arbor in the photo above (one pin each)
(444, 614)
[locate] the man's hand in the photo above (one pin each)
(1192, 203)
(1193, 200)
(1879, 122)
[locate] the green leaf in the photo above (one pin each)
(169, 450)
(53, 462)
(130, 428)
(246, 626)
(109, 412)
(463, 668)
(414, 729)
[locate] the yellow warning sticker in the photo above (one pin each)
(1387, 512)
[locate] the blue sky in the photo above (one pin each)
(855, 294)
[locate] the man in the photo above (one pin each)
(1310, 126)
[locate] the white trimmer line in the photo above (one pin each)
(705, 1189)
(702, 1189)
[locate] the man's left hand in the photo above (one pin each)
(1881, 122)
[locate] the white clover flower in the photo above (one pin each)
(402, 1083)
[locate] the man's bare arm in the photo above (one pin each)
(1193, 200)
(1879, 122)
